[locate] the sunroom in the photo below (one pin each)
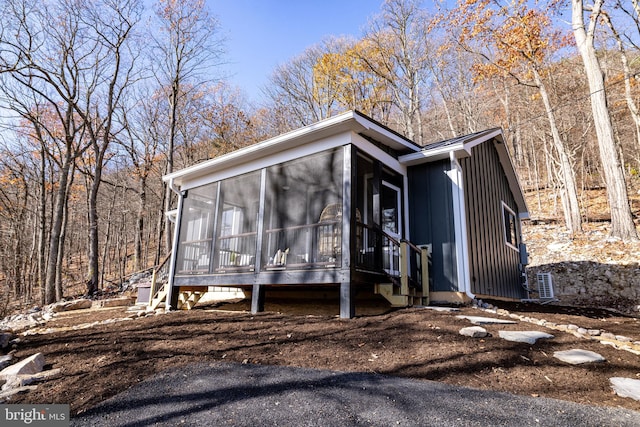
(321, 206)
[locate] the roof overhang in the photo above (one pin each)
(350, 121)
(462, 147)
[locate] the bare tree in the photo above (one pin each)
(622, 225)
(512, 43)
(400, 35)
(113, 72)
(45, 59)
(143, 129)
(187, 47)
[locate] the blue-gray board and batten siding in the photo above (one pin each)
(432, 221)
(493, 264)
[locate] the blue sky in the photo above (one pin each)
(262, 34)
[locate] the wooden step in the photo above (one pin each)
(387, 291)
(189, 298)
(158, 299)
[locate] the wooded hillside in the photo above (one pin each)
(100, 99)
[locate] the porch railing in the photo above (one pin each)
(194, 256)
(400, 259)
(308, 245)
(237, 252)
(159, 279)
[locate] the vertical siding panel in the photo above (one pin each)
(482, 237)
(496, 213)
(492, 263)
(476, 178)
(487, 243)
(471, 215)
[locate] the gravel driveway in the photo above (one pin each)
(232, 394)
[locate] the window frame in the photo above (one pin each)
(509, 233)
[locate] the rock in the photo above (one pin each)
(439, 308)
(21, 322)
(626, 387)
(77, 304)
(8, 393)
(5, 339)
(486, 320)
(474, 332)
(17, 381)
(115, 302)
(529, 337)
(31, 365)
(578, 356)
(594, 332)
(5, 361)
(608, 336)
(622, 338)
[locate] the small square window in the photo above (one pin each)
(510, 227)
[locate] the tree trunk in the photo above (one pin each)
(56, 232)
(139, 233)
(569, 191)
(42, 229)
(622, 225)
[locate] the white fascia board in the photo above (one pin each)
(479, 139)
(225, 170)
(349, 121)
(433, 155)
(386, 136)
(366, 147)
(319, 130)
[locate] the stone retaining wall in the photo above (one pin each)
(593, 284)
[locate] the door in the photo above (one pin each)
(391, 201)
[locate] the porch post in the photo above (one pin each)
(171, 303)
(258, 291)
(257, 298)
(347, 301)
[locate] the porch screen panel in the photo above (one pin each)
(196, 230)
(237, 216)
(303, 213)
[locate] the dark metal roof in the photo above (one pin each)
(458, 140)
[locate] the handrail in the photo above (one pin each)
(413, 265)
(411, 245)
(303, 226)
(154, 278)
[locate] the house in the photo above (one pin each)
(350, 204)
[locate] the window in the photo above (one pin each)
(232, 218)
(303, 213)
(196, 230)
(237, 222)
(510, 227)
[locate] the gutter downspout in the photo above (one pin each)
(460, 225)
(174, 248)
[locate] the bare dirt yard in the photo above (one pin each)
(103, 360)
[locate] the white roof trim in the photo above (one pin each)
(345, 122)
(463, 148)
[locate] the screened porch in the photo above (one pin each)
(287, 216)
